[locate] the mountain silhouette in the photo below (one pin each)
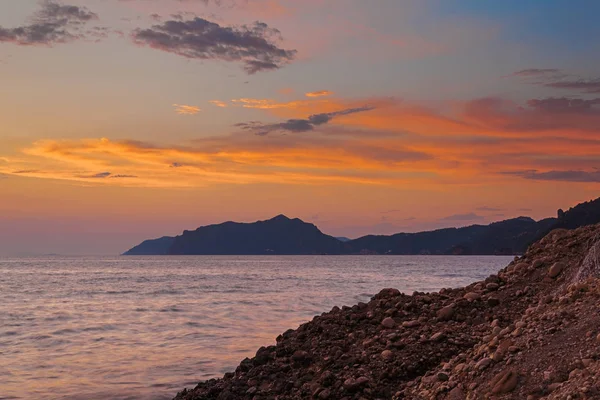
(279, 235)
(285, 236)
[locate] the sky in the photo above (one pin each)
(123, 120)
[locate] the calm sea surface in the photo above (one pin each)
(145, 328)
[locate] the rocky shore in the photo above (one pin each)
(532, 331)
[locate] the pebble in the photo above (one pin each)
(388, 323)
(493, 301)
(411, 324)
(483, 363)
(456, 394)
(556, 269)
(445, 313)
(437, 337)
(505, 382)
(442, 377)
(472, 296)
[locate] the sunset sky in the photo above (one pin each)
(123, 120)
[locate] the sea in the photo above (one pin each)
(146, 327)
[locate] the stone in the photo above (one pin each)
(437, 337)
(520, 267)
(483, 363)
(574, 373)
(456, 394)
(325, 394)
(445, 313)
(472, 296)
(505, 382)
(492, 286)
(388, 323)
(460, 367)
(299, 355)
(362, 380)
(493, 301)
(411, 324)
(442, 377)
(556, 269)
(387, 354)
(387, 293)
(537, 263)
(350, 384)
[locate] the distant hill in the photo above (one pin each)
(506, 237)
(343, 239)
(279, 235)
(152, 247)
(587, 213)
(282, 235)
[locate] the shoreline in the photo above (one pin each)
(486, 340)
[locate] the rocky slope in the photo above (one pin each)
(530, 332)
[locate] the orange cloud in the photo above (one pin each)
(218, 103)
(268, 104)
(319, 93)
(389, 142)
(186, 110)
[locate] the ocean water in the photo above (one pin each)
(146, 327)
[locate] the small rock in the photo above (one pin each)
(505, 382)
(556, 269)
(362, 380)
(493, 301)
(472, 296)
(445, 313)
(460, 367)
(387, 354)
(350, 384)
(553, 386)
(299, 355)
(437, 337)
(442, 377)
(252, 390)
(388, 323)
(456, 394)
(325, 394)
(411, 324)
(387, 293)
(483, 363)
(492, 286)
(574, 373)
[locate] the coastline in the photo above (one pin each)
(496, 338)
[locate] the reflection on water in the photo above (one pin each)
(145, 328)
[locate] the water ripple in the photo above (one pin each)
(143, 328)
